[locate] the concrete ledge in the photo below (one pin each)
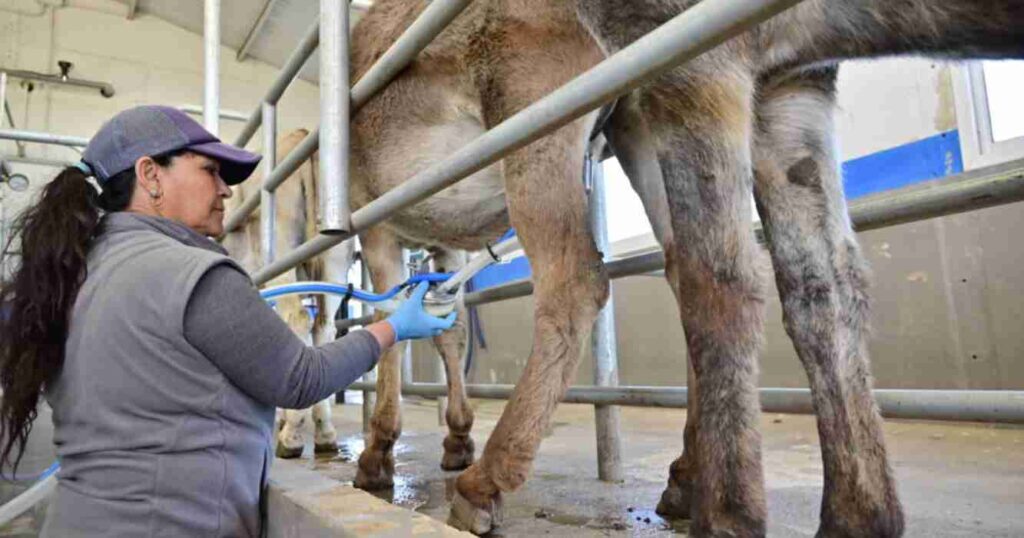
(304, 503)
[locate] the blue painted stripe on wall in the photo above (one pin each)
(931, 158)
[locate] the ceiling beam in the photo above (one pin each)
(257, 27)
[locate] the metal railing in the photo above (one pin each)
(686, 36)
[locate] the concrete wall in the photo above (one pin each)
(946, 291)
(148, 61)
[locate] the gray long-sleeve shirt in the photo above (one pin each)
(164, 407)
(231, 325)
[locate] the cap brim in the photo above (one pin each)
(236, 164)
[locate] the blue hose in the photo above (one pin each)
(53, 468)
(338, 289)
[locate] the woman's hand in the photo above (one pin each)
(411, 321)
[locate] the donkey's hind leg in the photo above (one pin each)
(634, 145)
(822, 279)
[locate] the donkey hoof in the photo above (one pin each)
(286, 452)
(373, 481)
(325, 448)
(376, 471)
(675, 502)
(458, 453)
(465, 516)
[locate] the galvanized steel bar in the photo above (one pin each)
(334, 117)
(106, 89)
(288, 165)
(224, 114)
(603, 340)
(288, 72)
(268, 209)
(964, 405)
(698, 29)
(3, 98)
(211, 66)
(43, 138)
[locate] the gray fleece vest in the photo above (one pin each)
(152, 438)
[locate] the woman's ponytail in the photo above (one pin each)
(35, 302)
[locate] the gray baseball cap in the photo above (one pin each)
(154, 130)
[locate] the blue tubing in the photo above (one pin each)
(53, 468)
(338, 289)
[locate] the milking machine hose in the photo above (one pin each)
(47, 480)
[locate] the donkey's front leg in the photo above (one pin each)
(451, 345)
(383, 256)
(549, 211)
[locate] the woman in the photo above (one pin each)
(160, 361)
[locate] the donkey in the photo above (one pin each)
(294, 222)
(753, 115)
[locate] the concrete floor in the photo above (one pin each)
(954, 479)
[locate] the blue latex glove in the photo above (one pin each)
(411, 321)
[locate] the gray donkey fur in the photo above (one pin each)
(754, 115)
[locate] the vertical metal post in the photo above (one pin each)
(603, 341)
(3, 172)
(442, 401)
(406, 367)
(3, 98)
(334, 116)
(211, 55)
(369, 398)
(268, 210)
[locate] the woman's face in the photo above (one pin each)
(190, 191)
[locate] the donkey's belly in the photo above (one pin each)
(467, 215)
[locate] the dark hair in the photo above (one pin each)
(56, 234)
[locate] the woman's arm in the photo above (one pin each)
(228, 321)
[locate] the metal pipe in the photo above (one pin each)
(962, 405)
(105, 88)
(441, 377)
(268, 210)
(3, 98)
(334, 117)
(695, 31)
(291, 162)
(977, 189)
(36, 161)
(224, 114)
(257, 27)
(603, 340)
(211, 63)
(5, 111)
(432, 21)
(43, 138)
(284, 78)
